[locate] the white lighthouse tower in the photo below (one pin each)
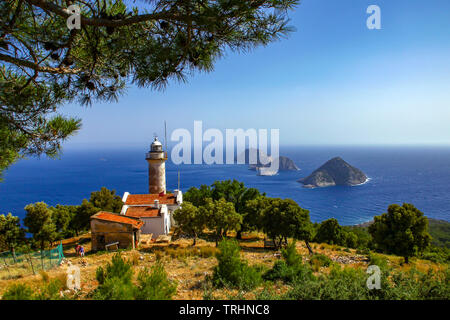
(156, 159)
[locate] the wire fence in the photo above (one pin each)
(17, 264)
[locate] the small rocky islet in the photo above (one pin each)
(335, 172)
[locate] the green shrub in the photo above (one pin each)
(364, 251)
(290, 255)
(320, 260)
(436, 254)
(115, 280)
(50, 290)
(351, 284)
(232, 270)
(291, 268)
(154, 284)
(18, 292)
(415, 285)
(114, 289)
(340, 284)
(377, 260)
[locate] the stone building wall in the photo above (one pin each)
(105, 232)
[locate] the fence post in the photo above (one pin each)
(42, 260)
(6, 265)
(30, 260)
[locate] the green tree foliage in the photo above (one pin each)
(236, 193)
(106, 200)
(220, 217)
(436, 254)
(12, 233)
(81, 220)
(103, 200)
(62, 217)
(282, 219)
(3, 245)
(357, 237)
(190, 220)
(440, 232)
(232, 191)
(330, 232)
(198, 196)
(39, 222)
(45, 64)
(403, 231)
(233, 271)
(254, 210)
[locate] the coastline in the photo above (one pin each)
(365, 182)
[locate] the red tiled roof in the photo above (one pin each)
(142, 212)
(140, 199)
(108, 216)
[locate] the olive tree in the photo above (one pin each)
(402, 230)
(189, 220)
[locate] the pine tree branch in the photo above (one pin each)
(36, 67)
(101, 22)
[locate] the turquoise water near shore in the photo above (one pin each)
(418, 175)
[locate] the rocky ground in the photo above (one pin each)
(189, 267)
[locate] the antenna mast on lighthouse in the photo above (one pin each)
(165, 136)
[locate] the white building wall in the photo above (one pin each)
(157, 225)
(153, 225)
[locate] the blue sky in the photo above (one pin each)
(332, 81)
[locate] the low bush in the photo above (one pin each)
(115, 282)
(18, 292)
(320, 260)
(291, 268)
(232, 270)
(436, 254)
(351, 284)
(378, 260)
(340, 284)
(50, 290)
(154, 284)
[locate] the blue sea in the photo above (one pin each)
(418, 175)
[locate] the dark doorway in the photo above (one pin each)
(101, 241)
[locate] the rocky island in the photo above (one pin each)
(285, 163)
(335, 172)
